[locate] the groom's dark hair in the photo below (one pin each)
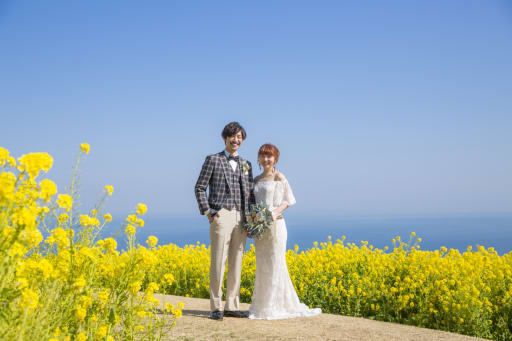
(233, 128)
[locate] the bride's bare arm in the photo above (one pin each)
(277, 211)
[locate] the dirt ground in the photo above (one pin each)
(195, 325)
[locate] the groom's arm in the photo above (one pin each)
(202, 183)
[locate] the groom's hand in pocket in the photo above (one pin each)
(210, 218)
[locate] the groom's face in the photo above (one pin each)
(234, 142)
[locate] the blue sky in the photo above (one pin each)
(380, 108)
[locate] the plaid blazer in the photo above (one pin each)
(214, 176)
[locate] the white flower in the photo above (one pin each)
(245, 167)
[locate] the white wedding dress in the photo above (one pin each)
(274, 296)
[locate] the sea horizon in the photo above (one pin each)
(451, 231)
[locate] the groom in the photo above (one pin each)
(230, 182)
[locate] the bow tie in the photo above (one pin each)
(235, 158)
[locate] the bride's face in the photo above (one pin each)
(266, 160)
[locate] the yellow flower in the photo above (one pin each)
(4, 155)
(29, 299)
(109, 244)
(103, 296)
(33, 163)
(109, 189)
(152, 287)
(79, 283)
(7, 186)
(65, 201)
(85, 301)
(85, 220)
(81, 337)
(94, 221)
(22, 283)
(130, 229)
(24, 217)
(152, 299)
(59, 236)
(85, 148)
(169, 278)
(141, 209)
(11, 161)
(134, 287)
(178, 313)
(107, 217)
(132, 219)
(152, 241)
(63, 218)
(48, 189)
(80, 313)
(101, 332)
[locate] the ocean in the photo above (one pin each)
(457, 232)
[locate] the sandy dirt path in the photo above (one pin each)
(195, 325)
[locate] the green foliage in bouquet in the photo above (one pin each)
(258, 221)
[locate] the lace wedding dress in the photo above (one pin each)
(274, 296)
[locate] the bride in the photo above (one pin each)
(274, 296)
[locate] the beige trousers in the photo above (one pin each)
(227, 242)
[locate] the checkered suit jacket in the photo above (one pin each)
(214, 176)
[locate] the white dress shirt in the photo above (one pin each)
(233, 163)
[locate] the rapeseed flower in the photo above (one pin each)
(109, 189)
(65, 201)
(85, 147)
(34, 163)
(130, 230)
(152, 241)
(4, 155)
(141, 209)
(48, 189)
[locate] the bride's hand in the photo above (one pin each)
(275, 214)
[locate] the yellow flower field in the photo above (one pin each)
(68, 286)
(468, 293)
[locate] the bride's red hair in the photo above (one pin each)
(269, 149)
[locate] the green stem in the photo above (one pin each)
(72, 190)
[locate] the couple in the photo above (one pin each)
(231, 192)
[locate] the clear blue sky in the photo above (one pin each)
(378, 107)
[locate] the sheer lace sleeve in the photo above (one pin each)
(288, 197)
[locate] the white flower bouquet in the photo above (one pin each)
(258, 221)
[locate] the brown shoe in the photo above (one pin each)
(236, 313)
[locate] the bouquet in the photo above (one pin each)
(258, 221)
